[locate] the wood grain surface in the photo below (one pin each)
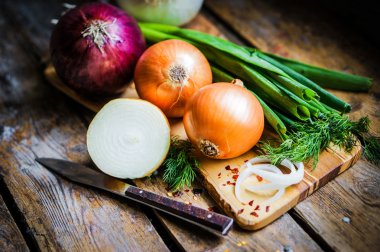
(281, 234)
(10, 236)
(37, 121)
(332, 162)
(36, 118)
(303, 31)
(199, 23)
(216, 178)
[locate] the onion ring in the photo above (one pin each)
(277, 180)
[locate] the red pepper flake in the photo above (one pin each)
(177, 193)
(220, 174)
(245, 161)
(223, 184)
(233, 184)
(267, 209)
(235, 177)
(228, 182)
(259, 178)
(250, 203)
(235, 170)
(240, 211)
(228, 167)
(254, 214)
(257, 207)
(187, 190)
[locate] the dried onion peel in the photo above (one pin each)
(128, 138)
(277, 180)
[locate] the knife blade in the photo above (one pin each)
(83, 175)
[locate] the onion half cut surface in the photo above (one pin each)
(128, 138)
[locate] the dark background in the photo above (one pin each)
(362, 17)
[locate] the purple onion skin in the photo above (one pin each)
(88, 68)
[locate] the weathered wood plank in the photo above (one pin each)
(353, 197)
(183, 233)
(289, 29)
(10, 236)
(284, 232)
(157, 185)
(36, 121)
(273, 232)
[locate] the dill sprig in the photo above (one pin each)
(372, 149)
(180, 164)
(371, 144)
(305, 140)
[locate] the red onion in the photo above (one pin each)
(94, 48)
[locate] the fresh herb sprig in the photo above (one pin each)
(372, 149)
(305, 140)
(180, 164)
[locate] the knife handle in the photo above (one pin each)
(193, 214)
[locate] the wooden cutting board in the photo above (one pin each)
(218, 175)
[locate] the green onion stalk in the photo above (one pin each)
(327, 78)
(306, 117)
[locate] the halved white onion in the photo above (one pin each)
(277, 180)
(128, 138)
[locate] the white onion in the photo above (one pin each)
(277, 180)
(243, 176)
(172, 12)
(275, 197)
(282, 179)
(128, 138)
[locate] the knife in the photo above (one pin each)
(81, 174)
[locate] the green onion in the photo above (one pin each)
(326, 97)
(328, 78)
(313, 110)
(284, 118)
(255, 80)
(300, 90)
(322, 107)
(155, 36)
(214, 42)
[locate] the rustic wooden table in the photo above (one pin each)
(39, 211)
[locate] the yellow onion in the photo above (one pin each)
(169, 73)
(223, 120)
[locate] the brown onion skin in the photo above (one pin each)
(152, 75)
(226, 115)
(80, 63)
